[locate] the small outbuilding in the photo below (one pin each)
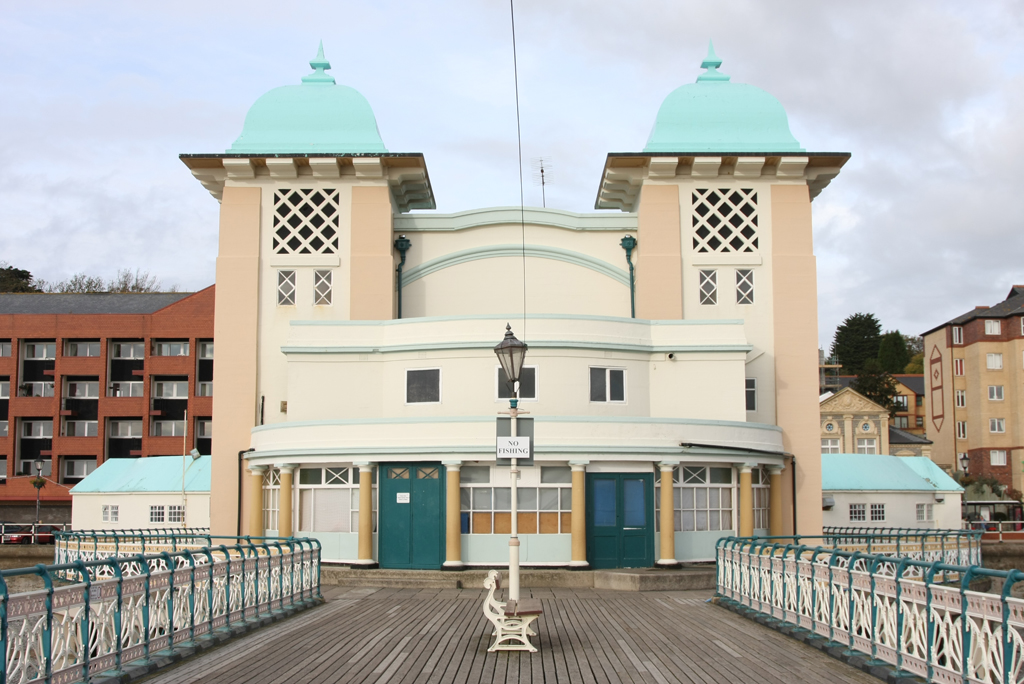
(134, 493)
(875, 490)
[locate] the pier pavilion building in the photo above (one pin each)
(672, 382)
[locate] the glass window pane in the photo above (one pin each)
(634, 506)
(465, 498)
(694, 475)
(688, 521)
(423, 386)
(548, 499)
(714, 496)
(556, 474)
(677, 495)
(677, 519)
(331, 510)
(726, 498)
(714, 521)
(481, 498)
(702, 497)
(687, 496)
(605, 514)
(617, 385)
(305, 510)
(475, 474)
(726, 520)
(310, 476)
(702, 521)
(597, 386)
(528, 383)
(566, 495)
(721, 475)
(527, 498)
(502, 499)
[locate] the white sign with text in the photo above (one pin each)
(513, 447)
(403, 497)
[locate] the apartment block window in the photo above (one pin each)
(204, 428)
(5, 389)
(36, 389)
(3, 469)
(322, 287)
(126, 429)
(960, 398)
(961, 429)
(170, 348)
(994, 361)
(901, 422)
(5, 347)
(997, 457)
(751, 394)
(744, 286)
(709, 287)
(176, 514)
(81, 428)
(607, 385)
(992, 327)
(867, 445)
(919, 421)
(877, 512)
(82, 389)
(82, 348)
(925, 512)
(168, 428)
(997, 425)
(995, 392)
(204, 389)
(206, 350)
(286, 288)
(156, 514)
(527, 383)
(423, 386)
(858, 512)
(170, 389)
(830, 446)
(958, 367)
(78, 468)
(37, 429)
(900, 402)
(40, 351)
(126, 388)
(128, 350)
(110, 513)
(958, 335)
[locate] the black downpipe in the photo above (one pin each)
(792, 467)
(629, 244)
(402, 244)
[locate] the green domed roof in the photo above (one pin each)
(714, 115)
(317, 116)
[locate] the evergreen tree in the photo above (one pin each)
(856, 340)
(15, 279)
(916, 365)
(892, 352)
(877, 385)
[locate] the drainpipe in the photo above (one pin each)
(402, 245)
(629, 244)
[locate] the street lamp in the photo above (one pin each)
(39, 473)
(511, 353)
(965, 461)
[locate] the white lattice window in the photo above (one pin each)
(857, 512)
(762, 497)
(175, 514)
(925, 513)
(960, 398)
(724, 220)
(830, 446)
(286, 288)
(329, 499)
(156, 514)
(703, 498)
(271, 497)
(958, 334)
(744, 286)
(961, 429)
(306, 221)
(878, 512)
(322, 288)
(709, 287)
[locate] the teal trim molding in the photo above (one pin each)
(535, 344)
(496, 216)
(498, 251)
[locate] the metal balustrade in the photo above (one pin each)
(917, 614)
(97, 615)
(958, 547)
(97, 544)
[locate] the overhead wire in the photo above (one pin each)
(519, 138)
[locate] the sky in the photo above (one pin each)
(97, 100)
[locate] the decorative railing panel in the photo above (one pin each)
(96, 615)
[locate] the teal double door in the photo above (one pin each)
(620, 520)
(411, 503)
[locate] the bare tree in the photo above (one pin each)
(76, 284)
(126, 281)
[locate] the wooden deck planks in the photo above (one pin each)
(440, 636)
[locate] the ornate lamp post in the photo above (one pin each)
(511, 354)
(38, 484)
(965, 462)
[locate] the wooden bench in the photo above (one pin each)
(511, 620)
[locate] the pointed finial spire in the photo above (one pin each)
(711, 63)
(319, 64)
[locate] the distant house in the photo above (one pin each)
(133, 493)
(909, 400)
(874, 490)
(852, 423)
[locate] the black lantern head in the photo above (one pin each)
(511, 353)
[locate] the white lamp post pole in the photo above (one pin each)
(511, 353)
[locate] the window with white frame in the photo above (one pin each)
(958, 335)
(176, 514)
(997, 457)
(156, 514)
(877, 512)
(206, 349)
(40, 351)
(306, 221)
(5, 389)
(960, 398)
(170, 348)
(4, 427)
(901, 422)
(995, 392)
(5, 347)
(204, 389)
(322, 287)
(37, 389)
(858, 512)
(900, 402)
(125, 429)
(37, 429)
(994, 361)
(81, 389)
(82, 348)
(204, 428)
(708, 287)
(3, 467)
(997, 425)
(129, 388)
(760, 479)
(751, 394)
(329, 499)
(170, 388)
(423, 386)
(744, 286)
(546, 509)
(271, 498)
(830, 446)
(81, 428)
(286, 288)
(993, 327)
(527, 383)
(867, 445)
(110, 513)
(168, 428)
(961, 429)
(704, 498)
(607, 385)
(925, 512)
(128, 350)
(78, 468)
(724, 220)
(958, 367)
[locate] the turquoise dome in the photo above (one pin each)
(715, 115)
(317, 116)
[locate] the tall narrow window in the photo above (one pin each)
(961, 429)
(958, 335)
(709, 287)
(960, 397)
(286, 288)
(744, 286)
(751, 391)
(958, 367)
(322, 288)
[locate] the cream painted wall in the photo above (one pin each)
(133, 510)
(900, 509)
(944, 444)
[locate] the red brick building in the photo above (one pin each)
(87, 377)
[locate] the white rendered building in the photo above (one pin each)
(357, 389)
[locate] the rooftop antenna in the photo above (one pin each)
(542, 176)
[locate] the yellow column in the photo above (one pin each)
(453, 518)
(666, 521)
(365, 559)
(256, 500)
(775, 501)
(579, 515)
(746, 501)
(284, 510)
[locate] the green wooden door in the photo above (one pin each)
(411, 516)
(620, 520)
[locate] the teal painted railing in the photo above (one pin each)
(956, 547)
(919, 616)
(71, 546)
(97, 615)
